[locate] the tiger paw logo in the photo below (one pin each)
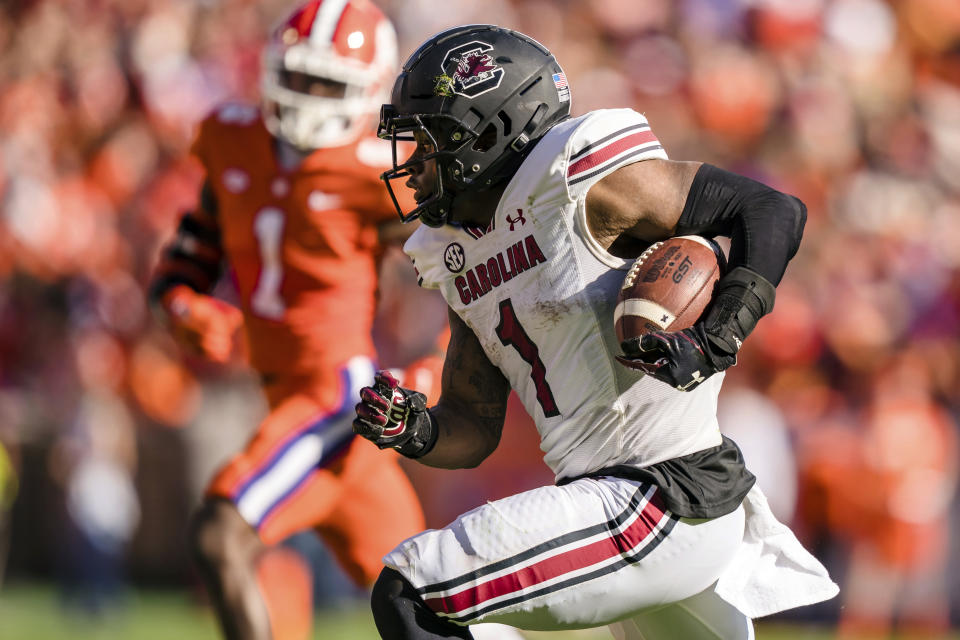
(469, 70)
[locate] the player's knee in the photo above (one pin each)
(400, 613)
(387, 591)
(218, 535)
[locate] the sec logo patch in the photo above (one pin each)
(454, 258)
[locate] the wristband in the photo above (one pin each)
(742, 298)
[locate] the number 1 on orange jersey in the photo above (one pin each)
(268, 228)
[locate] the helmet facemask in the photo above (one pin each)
(446, 136)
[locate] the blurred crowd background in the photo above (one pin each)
(847, 398)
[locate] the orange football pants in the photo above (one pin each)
(305, 469)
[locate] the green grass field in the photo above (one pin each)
(32, 612)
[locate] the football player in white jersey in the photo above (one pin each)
(655, 526)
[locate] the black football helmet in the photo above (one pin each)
(482, 95)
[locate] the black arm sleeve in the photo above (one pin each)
(764, 225)
(194, 257)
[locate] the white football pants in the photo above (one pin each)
(582, 555)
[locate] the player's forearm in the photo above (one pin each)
(473, 403)
(465, 437)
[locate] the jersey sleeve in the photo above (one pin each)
(607, 140)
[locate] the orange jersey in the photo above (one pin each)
(302, 243)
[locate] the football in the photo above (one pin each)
(668, 286)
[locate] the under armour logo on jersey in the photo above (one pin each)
(519, 219)
(454, 257)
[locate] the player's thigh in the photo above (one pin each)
(377, 510)
(705, 616)
(286, 479)
(581, 555)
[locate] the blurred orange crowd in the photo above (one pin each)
(852, 105)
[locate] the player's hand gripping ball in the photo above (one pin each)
(392, 417)
(665, 293)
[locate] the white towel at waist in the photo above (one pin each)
(772, 571)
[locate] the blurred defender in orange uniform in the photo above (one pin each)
(293, 204)
(884, 487)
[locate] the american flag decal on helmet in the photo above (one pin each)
(560, 82)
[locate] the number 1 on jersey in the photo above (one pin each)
(511, 333)
(265, 301)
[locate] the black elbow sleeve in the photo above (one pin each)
(764, 225)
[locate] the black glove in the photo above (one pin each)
(683, 359)
(393, 417)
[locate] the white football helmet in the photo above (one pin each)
(326, 71)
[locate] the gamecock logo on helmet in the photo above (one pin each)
(469, 70)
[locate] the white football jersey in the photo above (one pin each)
(539, 292)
